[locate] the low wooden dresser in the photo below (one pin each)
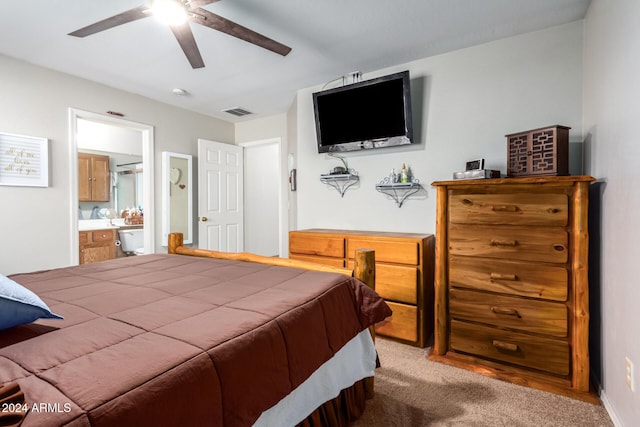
(511, 285)
(404, 273)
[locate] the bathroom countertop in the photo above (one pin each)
(95, 224)
(103, 224)
(130, 226)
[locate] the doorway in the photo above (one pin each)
(265, 221)
(146, 141)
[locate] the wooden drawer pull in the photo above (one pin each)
(507, 311)
(505, 208)
(559, 248)
(495, 242)
(500, 276)
(501, 345)
(495, 208)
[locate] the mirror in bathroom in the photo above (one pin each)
(128, 191)
(177, 186)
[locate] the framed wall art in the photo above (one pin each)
(24, 160)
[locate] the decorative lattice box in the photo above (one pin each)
(538, 152)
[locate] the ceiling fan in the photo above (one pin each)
(177, 14)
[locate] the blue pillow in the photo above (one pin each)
(18, 305)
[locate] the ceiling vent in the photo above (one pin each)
(238, 111)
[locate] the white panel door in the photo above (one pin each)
(220, 196)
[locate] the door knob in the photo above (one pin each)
(204, 219)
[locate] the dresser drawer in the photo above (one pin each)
(399, 252)
(541, 317)
(528, 279)
(333, 262)
(544, 354)
(546, 244)
(402, 324)
(102, 235)
(316, 245)
(397, 283)
(510, 209)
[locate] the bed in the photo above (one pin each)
(194, 338)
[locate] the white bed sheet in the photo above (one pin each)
(354, 361)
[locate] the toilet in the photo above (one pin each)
(132, 241)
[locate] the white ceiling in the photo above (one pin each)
(329, 39)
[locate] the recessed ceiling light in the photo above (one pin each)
(179, 92)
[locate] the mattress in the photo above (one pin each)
(175, 340)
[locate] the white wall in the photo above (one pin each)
(106, 137)
(35, 222)
(464, 103)
(262, 128)
(292, 126)
(611, 128)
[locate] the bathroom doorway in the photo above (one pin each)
(143, 135)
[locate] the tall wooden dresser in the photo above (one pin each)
(404, 273)
(511, 285)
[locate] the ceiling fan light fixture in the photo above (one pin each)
(169, 12)
(177, 14)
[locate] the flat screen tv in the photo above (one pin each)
(374, 113)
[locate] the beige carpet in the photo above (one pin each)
(411, 391)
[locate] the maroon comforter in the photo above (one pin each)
(176, 340)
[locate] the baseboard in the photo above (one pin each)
(611, 411)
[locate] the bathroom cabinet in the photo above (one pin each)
(97, 245)
(93, 178)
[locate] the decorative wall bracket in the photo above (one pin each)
(341, 182)
(398, 192)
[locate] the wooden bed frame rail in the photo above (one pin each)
(364, 266)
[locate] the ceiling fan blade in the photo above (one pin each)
(119, 19)
(199, 3)
(216, 22)
(187, 42)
